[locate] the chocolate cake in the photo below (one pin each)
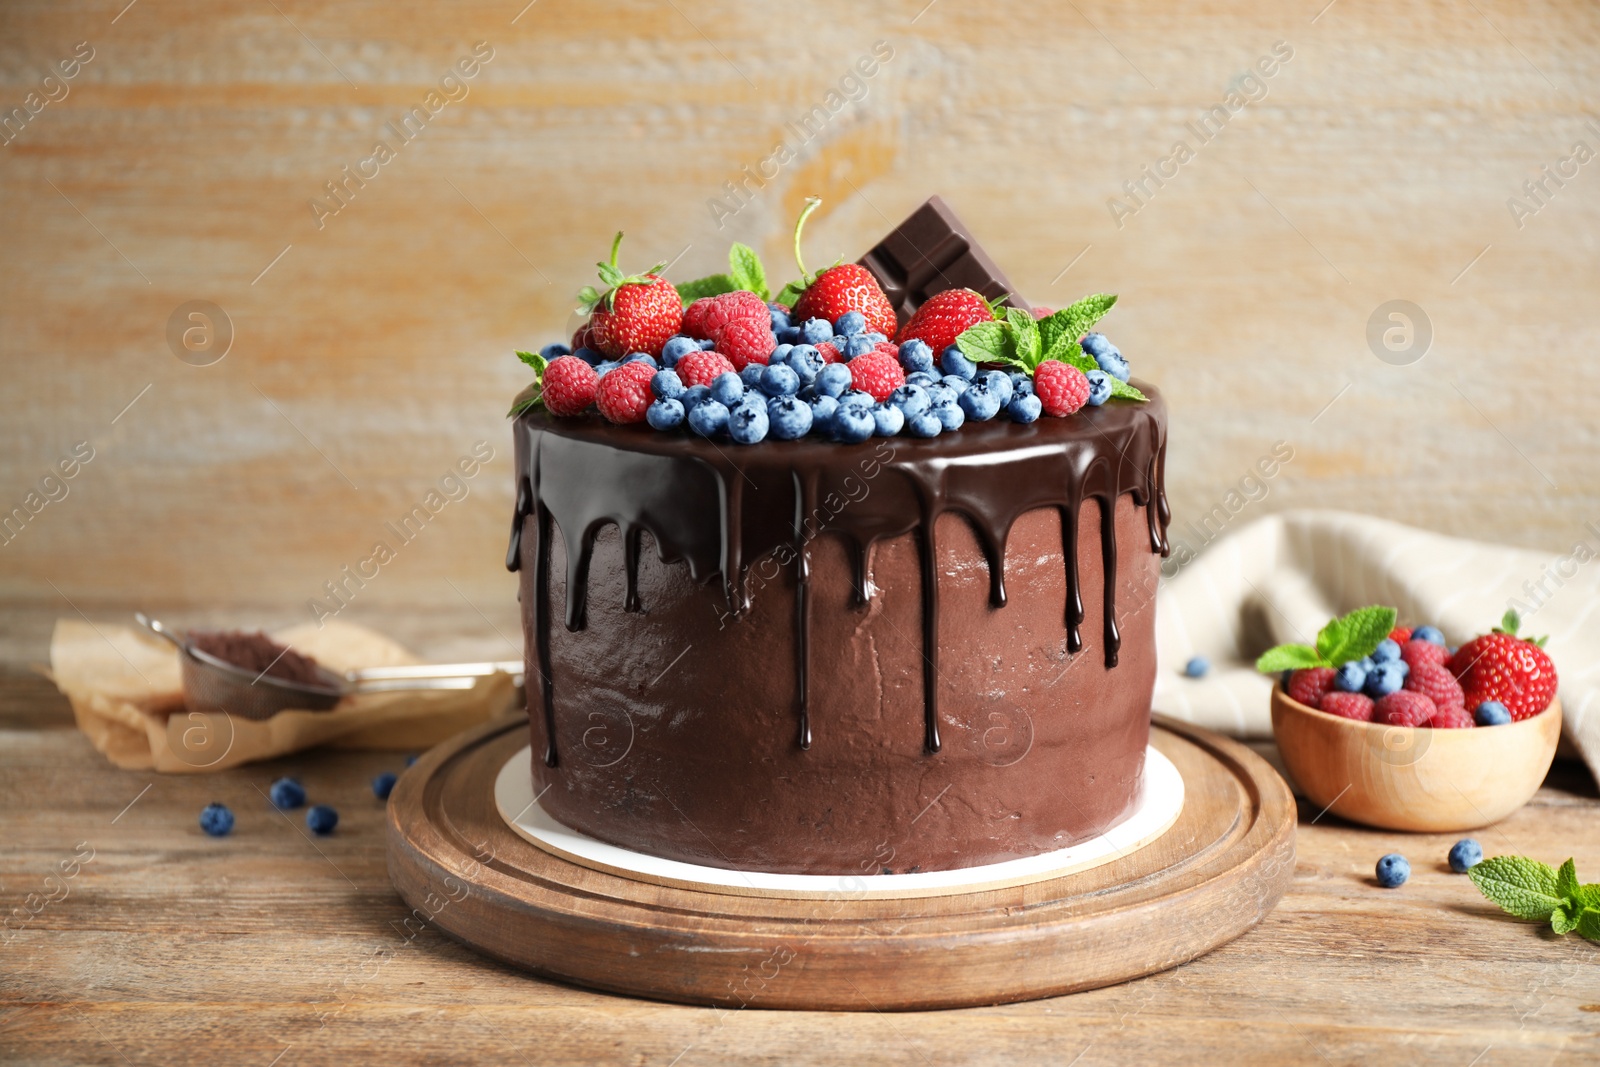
(825, 655)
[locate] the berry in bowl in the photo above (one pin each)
(1389, 727)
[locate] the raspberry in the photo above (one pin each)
(569, 386)
(1438, 685)
(624, 394)
(1451, 719)
(1404, 708)
(1347, 705)
(1308, 685)
(703, 318)
(1060, 387)
(746, 341)
(702, 368)
(888, 347)
(1400, 634)
(1416, 653)
(878, 373)
(829, 353)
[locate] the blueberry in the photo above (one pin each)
(940, 394)
(321, 819)
(875, 337)
(666, 385)
(708, 418)
(555, 351)
(912, 400)
(665, 414)
(851, 322)
(694, 395)
(1096, 343)
(915, 355)
(1196, 667)
(1465, 854)
(839, 341)
(999, 383)
(926, 424)
(852, 424)
(1367, 663)
(978, 403)
(817, 331)
(806, 361)
(1113, 364)
(383, 785)
(638, 357)
(855, 398)
(856, 346)
(605, 367)
(780, 316)
(1350, 677)
(953, 362)
(1021, 383)
(922, 377)
(216, 820)
(1428, 633)
(590, 356)
(823, 409)
(706, 345)
(1387, 650)
(1024, 408)
(676, 348)
(950, 416)
(1099, 387)
(788, 418)
(747, 423)
(1383, 679)
(1405, 668)
(1491, 713)
(779, 381)
(890, 420)
(780, 355)
(1393, 870)
(727, 389)
(955, 383)
(287, 793)
(751, 375)
(834, 379)
(791, 335)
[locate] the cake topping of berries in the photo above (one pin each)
(637, 313)
(1019, 340)
(841, 288)
(1500, 666)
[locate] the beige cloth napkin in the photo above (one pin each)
(1282, 577)
(125, 691)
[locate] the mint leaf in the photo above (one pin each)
(986, 342)
(1128, 392)
(790, 293)
(1080, 318)
(1355, 635)
(588, 297)
(1067, 350)
(1288, 658)
(534, 360)
(1025, 336)
(1567, 881)
(1589, 924)
(1588, 895)
(744, 267)
(528, 398)
(1522, 887)
(1564, 919)
(711, 285)
(1510, 622)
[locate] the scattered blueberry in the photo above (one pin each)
(1465, 854)
(1383, 679)
(791, 335)
(1428, 633)
(694, 395)
(852, 424)
(834, 380)
(1393, 870)
(823, 410)
(888, 419)
(915, 355)
(383, 785)
(1196, 667)
(1021, 383)
(978, 403)
(912, 400)
(287, 793)
(605, 367)
(950, 416)
(1096, 344)
(922, 377)
(1350, 677)
(216, 820)
(747, 423)
(1491, 713)
(876, 338)
(727, 389)
(590, 356)
(666, 385)
(999, 383)
(1114, 364)
(708, 418)
(1024, 408)
(665, 414)
(676, 348)
(1099, 387)
(925, 424)
(855, 398)
(856, 346)
(817, 331)
(751, 375)
(555, 351)
(780, 316)
(638, 357)
(780, 355)
(1387, 650)
(1367, 663)
(806, 361)
(778, 381)
(940, 394)
(955, 383)
(706, 345)
(953, 362)
(321, 819)
(851, 322)
(788, 418)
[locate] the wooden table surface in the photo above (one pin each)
(269, 947)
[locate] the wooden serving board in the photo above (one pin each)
(1212, 876)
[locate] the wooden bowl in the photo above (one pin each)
(1414, 778)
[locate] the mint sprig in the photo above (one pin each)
(1353, 636)
(744, 272)
(1019, 340)
(533, 395)
(1537, 892)
(1511, 622)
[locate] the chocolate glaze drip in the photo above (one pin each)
(718, 507)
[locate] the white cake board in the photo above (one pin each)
(1160, 803)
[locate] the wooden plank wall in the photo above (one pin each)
(371, 347)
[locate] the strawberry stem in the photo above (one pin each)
(812, 203)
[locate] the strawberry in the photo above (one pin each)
(745, 341)
(1042, 313)
(624, 393)
(844, 287)
(877, 373)
(1310, 685)
(944, 317)
(1415, 652)
(1502, 666)
(569, 386)
(584, 337)
(1437, 684)
(1400, 634)
(703, 318)
(1404, 708)
(637, 314)
(1347, 705)
(1061, 387)
(702, 368)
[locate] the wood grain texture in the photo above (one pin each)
(1211, 877)
(369, 357)
(173, 947)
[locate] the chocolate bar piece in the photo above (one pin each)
(930, 252)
